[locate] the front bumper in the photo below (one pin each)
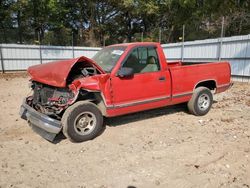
(42, 124)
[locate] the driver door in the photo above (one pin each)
(149, 87)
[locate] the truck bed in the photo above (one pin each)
(186, 76)
(181, 63)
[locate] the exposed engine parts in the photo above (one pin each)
(50, 100)
(81, 70)
(88, 71)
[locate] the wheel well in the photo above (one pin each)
(94, 97)
(210, 84)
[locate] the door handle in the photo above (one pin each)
(163, 78)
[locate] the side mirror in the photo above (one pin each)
(125, 72)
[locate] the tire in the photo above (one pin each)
(201, 101)
(82, 121)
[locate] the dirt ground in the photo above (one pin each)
(159, 148)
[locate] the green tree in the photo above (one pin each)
(104, 22)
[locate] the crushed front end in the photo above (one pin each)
(43, 110)
(44, 125)
(55, 89)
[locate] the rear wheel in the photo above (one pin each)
(82, 121)
(201, 101)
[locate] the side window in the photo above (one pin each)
(143, 54)
(134, 53)
(143, 59)
(152, 52)
(133, 61)
(152, 63)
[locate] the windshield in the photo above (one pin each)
(108, 57)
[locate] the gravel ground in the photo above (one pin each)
(166, 147)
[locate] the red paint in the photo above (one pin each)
(92, 83)
(142, 91)
(55, 73)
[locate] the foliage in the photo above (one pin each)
(104, 22)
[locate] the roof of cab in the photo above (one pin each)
(135, 44)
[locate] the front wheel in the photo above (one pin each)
(201, 101)
(82, 121)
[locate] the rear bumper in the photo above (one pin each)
(224, 87)
(44, 125)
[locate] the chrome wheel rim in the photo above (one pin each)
(203, 102)
(85, 123)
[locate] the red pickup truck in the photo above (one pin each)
(73, 96)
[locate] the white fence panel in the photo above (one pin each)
(56, 52)
(203, 52)
(20, 57)
(236, 50)
(85, 51)
(172, 52)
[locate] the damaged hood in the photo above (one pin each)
(56, 73)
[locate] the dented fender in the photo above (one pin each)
(91, 83)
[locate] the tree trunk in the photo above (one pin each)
(240, 25)
(170, 36)
(19, 25)
(36, 29)
(2, 29)
(129, 27)
(92, 36)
